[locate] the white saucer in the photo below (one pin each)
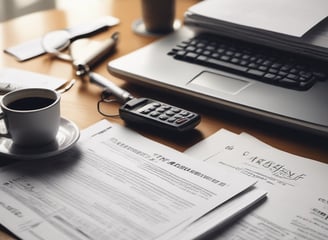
(138, 27)
(67, 136)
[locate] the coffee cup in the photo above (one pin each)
(31, 116)
(158, 15)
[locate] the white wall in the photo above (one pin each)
(15, 8)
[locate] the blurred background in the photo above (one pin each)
(14, 8)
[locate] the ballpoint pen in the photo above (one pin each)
(121, 95)
(84, 63)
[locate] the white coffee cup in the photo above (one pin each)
(31, 116)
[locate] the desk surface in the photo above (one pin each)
(79, 103)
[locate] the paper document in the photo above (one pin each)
(12, 79)
(115, 184)
(292, 17)
(225, 214)
(297, 204)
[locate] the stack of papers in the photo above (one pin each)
(295, 25)
(297, 203)
(116, 184)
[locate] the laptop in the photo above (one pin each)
(259, 93)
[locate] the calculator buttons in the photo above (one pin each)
(166, 113)
(158, 114)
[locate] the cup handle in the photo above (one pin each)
(3, 126)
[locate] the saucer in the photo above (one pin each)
(67, 136)
(139, 27)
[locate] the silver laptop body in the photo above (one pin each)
(151, 65)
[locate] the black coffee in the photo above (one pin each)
(30, 103)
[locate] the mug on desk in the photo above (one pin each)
(158, 15)
(31, 116)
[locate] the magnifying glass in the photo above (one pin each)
(55, 42)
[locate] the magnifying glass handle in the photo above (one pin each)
(85, 63)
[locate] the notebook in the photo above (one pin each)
(269, 94)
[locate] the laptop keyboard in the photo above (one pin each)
(250, 60)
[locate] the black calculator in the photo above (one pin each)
(147, 111)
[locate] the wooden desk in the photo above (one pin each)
(79, 103)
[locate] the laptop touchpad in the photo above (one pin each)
(218, 82)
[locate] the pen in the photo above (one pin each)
(121, 95)
(84, 64)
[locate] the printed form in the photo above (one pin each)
(297, 203)
(115, 184)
